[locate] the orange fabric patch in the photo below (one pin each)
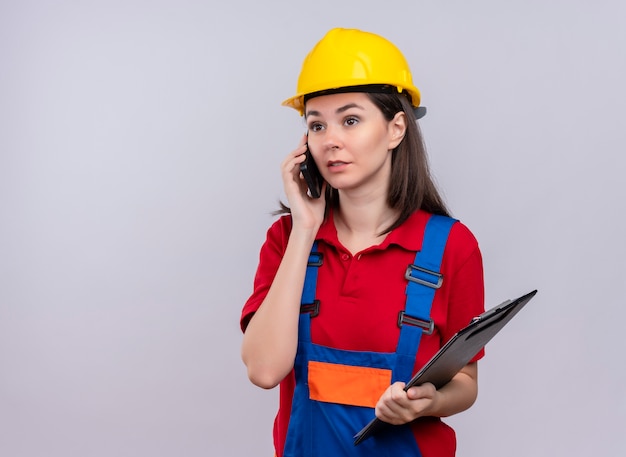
(346, 384)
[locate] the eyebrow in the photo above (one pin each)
(339, 110)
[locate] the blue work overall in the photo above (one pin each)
(321, 427)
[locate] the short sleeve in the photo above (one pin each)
(466, 296)
(270, 256)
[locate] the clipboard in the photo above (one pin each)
(457, 352)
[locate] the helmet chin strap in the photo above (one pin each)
(420, 112)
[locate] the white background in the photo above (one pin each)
(139, 150)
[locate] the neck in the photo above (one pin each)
(360, 221)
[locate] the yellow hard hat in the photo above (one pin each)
(350, 57)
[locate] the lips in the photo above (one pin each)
(337, 166)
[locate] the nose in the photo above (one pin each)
(332, 138)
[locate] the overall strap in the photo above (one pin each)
(310, 307)
(424, 278)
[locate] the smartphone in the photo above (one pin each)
(311, 175)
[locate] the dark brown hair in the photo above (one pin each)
(411, 186)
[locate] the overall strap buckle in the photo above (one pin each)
(316, 259)
(423, 276)
(312, 308)
(428, 326)
(309, 304)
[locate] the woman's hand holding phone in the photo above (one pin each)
(311, 174)
(307, 210)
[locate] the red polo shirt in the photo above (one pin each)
(362, 294)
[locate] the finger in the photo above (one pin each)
(302, 145)
(415, 393)
(392, 413)
(424, 391)
(293, 160)
(393, 399)
(396, 391)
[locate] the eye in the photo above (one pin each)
(315, 126)
(351, 120)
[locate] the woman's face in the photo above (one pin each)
(351, 141)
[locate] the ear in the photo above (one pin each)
(397, 129)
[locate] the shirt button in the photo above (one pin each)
(345, 257)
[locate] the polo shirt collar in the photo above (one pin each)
(408, 236)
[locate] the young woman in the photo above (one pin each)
(357, 289)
